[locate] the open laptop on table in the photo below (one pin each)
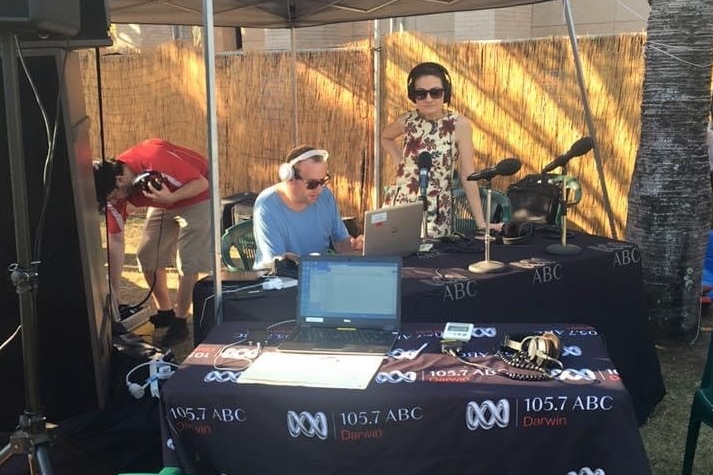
(393, 230)
(346, 304)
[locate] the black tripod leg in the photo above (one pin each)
(43, 459)
(5, 454)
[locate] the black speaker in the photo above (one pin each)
(517, 232)
(535, 199)
(73, 351)
(93, 31)
(49, 16)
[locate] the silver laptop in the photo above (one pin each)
(393, 230)
(346, 304)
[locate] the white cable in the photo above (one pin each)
(277, 324)
(10, 338)
(136, 389)
(683, 61)
(225, 352)
(273, 283)
(632, 11)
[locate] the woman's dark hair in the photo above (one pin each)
(429, 69)
(105, 173)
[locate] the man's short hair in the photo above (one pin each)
(287, 170)
(299, 150)
(105, 173)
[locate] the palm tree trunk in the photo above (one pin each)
(669, 212)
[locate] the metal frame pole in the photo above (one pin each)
(32, 436)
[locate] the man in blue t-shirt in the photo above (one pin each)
(299, 215)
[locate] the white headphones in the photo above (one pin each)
(287, 169)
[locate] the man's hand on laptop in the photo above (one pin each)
(349, 245)
(292, 256)
(357, 242)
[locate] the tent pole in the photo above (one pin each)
(295, 114)
(376, 51)
(213, 158)
(588, 115)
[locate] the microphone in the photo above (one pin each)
(506, 167)
(424, 164)
(578, 148)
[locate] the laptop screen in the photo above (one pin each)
(354, 291)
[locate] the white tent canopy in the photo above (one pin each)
(288, 13)
(297, 14)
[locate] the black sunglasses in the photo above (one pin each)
(312, 184)
(436, 93)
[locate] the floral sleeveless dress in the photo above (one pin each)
(438, 138)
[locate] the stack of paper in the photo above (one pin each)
(312, 370)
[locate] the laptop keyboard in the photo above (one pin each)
(311, 334)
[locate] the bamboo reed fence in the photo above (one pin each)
(522, 98)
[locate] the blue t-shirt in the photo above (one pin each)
(278, 229)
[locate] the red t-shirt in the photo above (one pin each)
(116, 215)
(178, 166)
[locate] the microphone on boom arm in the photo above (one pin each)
(506, 167)
(578, 148)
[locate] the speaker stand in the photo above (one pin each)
(33, 435)
(487, 266)
(563, 248)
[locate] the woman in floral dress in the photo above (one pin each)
(446, 136)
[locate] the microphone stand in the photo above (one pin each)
(563, 248)
(424, 225)
(487, 266)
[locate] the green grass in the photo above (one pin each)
(664, 434)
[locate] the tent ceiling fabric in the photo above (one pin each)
(288, 13)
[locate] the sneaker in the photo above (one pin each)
(177, 333)
(163, 318)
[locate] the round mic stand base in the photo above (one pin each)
(563, 249)
(486, 267)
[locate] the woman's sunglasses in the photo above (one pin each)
(312, 184)
(436, 93)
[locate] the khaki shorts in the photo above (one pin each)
(179, 237)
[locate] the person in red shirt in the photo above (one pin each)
(176, 229)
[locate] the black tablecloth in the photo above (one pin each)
(601, 286)
(422, 413)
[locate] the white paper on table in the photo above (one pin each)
(312, 370)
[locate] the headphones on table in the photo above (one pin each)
(287, 169)
(517, 232)
(429, 69)
(532, 353)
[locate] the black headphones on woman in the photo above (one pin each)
(429, 69)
